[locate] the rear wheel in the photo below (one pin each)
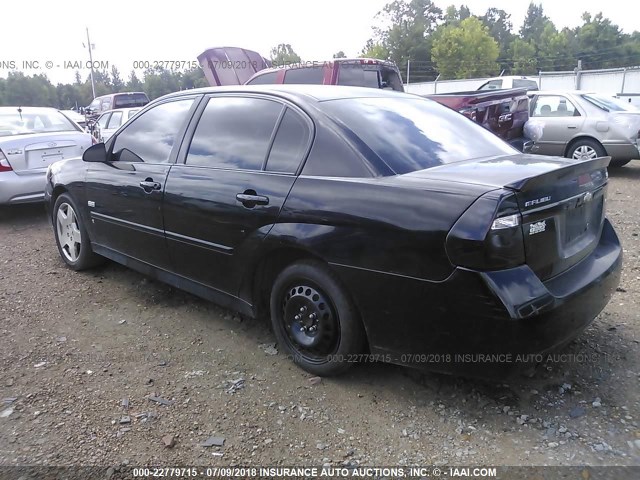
(71, 236)
(314, 320)
(586, 149)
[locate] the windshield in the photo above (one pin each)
(413, 134)
(609, 104)
(13, 123)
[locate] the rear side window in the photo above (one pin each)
(150, 137)
(234, 132)
(290, 144)
(356, 75)
(306, 75)
(264, 79)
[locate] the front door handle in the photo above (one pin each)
(572, 126)
(148, 185)
(250, 199)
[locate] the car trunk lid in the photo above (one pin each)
(33, 153)
(561, 201)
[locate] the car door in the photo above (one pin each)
(124, 194)
(236, 171)
(556, 120)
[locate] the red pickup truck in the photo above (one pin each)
(503, 112)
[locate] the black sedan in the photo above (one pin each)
(369, 225)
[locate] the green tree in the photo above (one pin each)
(598, 42)
(340, 54)
(500, 28)
(374, 50)
(553, 50)
(523, 57)
(116, 80)
(406, 35)
(465, 51)
(134, 84)
(284, 54)
(534, 23)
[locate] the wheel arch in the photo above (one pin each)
(268, 266)
(575, 140)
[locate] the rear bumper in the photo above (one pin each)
(485, 323)
(25, 188)
(622, 151)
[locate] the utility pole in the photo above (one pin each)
(93, 86)
(408, 70)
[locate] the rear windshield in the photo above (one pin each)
(411, 134)
(21, 123)
(130, 100)
(358, 75)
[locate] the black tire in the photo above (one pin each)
(71, 237)
(327, 344)
(618, 163)
(587, 146)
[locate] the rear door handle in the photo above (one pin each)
(149, 185)
(250, 200)
(572, 126)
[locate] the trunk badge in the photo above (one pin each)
(14, 151)
(52, 144)
(537, 227)
(91, 203)
(585, 198)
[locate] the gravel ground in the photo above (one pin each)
(81, 353)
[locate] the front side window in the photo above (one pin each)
(234, 133)
(115, 121)
(554, 106)
(150, 137)
(104, 120)
(492, 85)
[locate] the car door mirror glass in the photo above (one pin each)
(95, 153)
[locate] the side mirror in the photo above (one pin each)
(95, 153)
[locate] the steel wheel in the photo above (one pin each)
(584, 152)
(69, 234)
(314, 319)
(311, 322)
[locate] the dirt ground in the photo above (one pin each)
(80, 354)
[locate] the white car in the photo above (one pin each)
(31, 138)
(510, 81)
(112, 120)
(76, 117)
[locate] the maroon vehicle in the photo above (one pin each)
(238, 66)
(503, 112)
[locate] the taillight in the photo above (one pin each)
(5, 166)
(488, 235)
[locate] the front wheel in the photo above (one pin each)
(71, 236)
(314, 319)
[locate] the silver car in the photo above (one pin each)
(31, 138)
(583, 125)
(110, 121)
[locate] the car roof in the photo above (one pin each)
(312, 93)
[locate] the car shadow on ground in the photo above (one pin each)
(573, 374)
(631, 171)
(23, 215)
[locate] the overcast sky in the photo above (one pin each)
(126, 31)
